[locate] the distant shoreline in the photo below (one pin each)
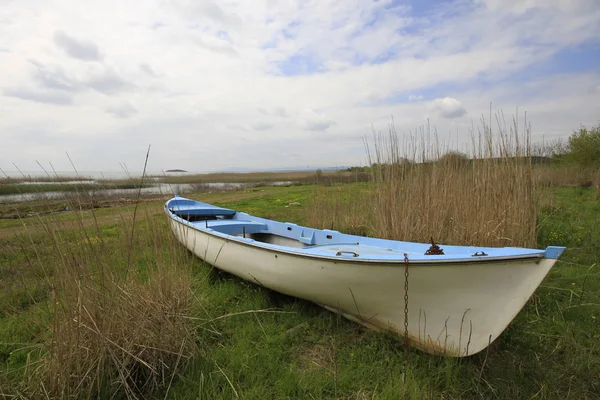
(111, 175)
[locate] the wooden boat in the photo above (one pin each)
(460, 298)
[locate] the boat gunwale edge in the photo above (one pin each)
(261, 246)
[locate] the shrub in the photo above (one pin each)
(584, 147)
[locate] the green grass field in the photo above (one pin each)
(253, 343)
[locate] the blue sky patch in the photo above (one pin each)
(567, 60)
(299, 65)
(289, 32)
(223, 36)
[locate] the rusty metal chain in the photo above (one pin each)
(406, 304)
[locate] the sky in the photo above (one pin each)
(222, 85)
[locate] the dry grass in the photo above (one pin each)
(317, 357)
(262, 358)
(421, 190)
(489, 200)
(130, 342)
(564, 175)
(119, 314)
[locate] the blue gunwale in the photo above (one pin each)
(325, 243)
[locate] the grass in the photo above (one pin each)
(21, 188)
(550, 351)
(566, 175)
(102, 302)
(305, 177)
(101, 319)
(286, 348)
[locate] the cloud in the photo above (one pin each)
(279, 112)
(54, 78)
(79, 49)
(316, 125)
(123, 110)
(310, 120)
(215, 45)
(107, 82)
(101, 79)
(237, 127)
(321, 70)
(261, 126)
(448, 108)
(38, 96)
(196, 11)
(274, 111)
(148, 70)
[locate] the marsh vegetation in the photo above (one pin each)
(102, 302)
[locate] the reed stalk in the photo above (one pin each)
(421, 189)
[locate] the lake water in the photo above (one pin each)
(161, 188)
(93, 174)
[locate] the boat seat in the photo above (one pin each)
(193, 210)
(233, 226)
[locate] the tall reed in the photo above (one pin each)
(119, 305)
(423, 191)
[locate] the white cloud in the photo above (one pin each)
(261, 126)
(311, 120)
(274, 111)
(122, 110)
(80, 49)
(209, 75)
(279, 112)
(448, 108)
(147, 69)
(40, 96)
(107, 82)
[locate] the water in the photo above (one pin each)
(56, 183)
(160, 188)
(91, 175)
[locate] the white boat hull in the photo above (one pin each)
(454, 309)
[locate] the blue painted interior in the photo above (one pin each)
(185, 207)
(233, 226)
(324, 243)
